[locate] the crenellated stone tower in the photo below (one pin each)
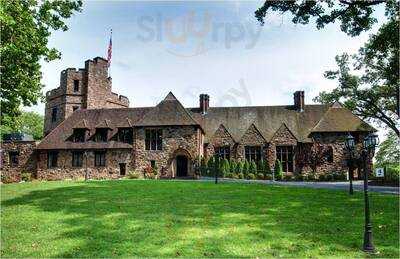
(84, 88)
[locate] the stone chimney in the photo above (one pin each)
(204, 103)
(299, 101)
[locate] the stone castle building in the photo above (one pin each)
(92, 132)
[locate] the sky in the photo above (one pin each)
(190, 48)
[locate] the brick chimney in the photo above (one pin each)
(299, 100)
(204, 103)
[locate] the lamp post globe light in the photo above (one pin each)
(370, 142)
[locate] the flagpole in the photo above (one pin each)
(109, 54)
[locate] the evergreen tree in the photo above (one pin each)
(253, 168)
(210, 166)
(246, 168)
(278, 170)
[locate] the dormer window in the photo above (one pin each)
(101, 135)
(125, 135)
(76, 85)
(79, 135)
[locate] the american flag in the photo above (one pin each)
(109, 50)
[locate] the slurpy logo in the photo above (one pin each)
(191, 35)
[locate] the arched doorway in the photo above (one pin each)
(181, 166)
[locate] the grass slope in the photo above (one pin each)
(167, 218)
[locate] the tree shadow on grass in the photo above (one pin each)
(150, 218)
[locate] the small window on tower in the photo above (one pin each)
(76, 85)
(54, 114)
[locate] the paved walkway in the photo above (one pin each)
(357, 185)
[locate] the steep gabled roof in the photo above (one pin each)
(104, 124)
(282, 128)
(222, 128)
(127, 123)
(267, 119)
(338, 119)
(82, 124)
(168, 112)
(251, 128)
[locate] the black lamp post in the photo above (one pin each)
(350, 143)
(369, 144)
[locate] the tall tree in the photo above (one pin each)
(389, 151)
(26, 26)
(30, 123)
(370, 85)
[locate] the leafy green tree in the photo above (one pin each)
(373, 93)
(25, 29)
(30, 123)
(389, 151)
(278, 170)
(372, 90)
(354, 16)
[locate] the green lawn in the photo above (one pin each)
(188, 218)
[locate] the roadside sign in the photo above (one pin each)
(379, 172)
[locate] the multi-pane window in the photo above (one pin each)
(79, 135)
(252, 153)
(99, 158)
(285, 155)
(101, 135)
(223, 152)
(77, 158)
(125, 135)
(13, 158)
(52, 157)
(153, 139)
(76, 85)
(329, 155)
(54, 114)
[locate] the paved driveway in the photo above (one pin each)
(357, 185)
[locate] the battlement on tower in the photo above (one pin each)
(81, 88)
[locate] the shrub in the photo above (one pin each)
(260, 176)
(288, 177)
(203, 167)
(267, 169)
(225, 168)
(322, 177)
(240, 176)
(133, 175)
(251, 176)
(246, 168)
(235, 176)
(26, 177)
(232, 166)
(299, 177)
(210, 166)
(253, 168)
(329, 177)
(239, 168)
(278, 170)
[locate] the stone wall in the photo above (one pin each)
(94, 92)
(26, 160)
(65, 170)
(177, 140)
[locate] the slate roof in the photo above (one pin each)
(338, 119)
(236, 120)
(168, 112)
